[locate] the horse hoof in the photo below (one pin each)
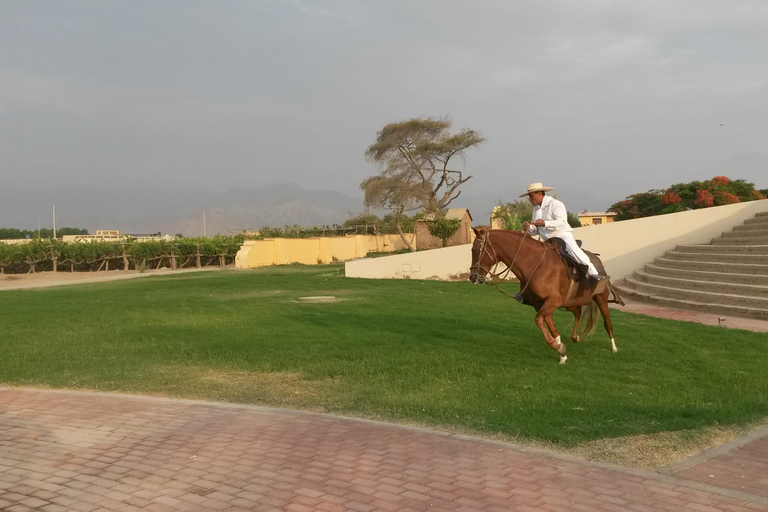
(563, 359)
(576, 339)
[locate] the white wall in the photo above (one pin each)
(623, 246)
(445, 263)
(628, 245)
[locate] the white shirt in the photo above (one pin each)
(555, 218)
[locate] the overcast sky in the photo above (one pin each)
(598, 99)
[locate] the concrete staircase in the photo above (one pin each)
(729, 276)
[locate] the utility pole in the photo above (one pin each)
(204, 223)
(54, 222)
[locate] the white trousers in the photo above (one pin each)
(574, 250)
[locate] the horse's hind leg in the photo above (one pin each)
(576, 310)
(602, 303)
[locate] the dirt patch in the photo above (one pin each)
(276, 389)
(46, 279)
(657, 450)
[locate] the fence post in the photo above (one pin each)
(54, 258)
(173, 257)
(197, 256)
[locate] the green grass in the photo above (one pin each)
(448, 355)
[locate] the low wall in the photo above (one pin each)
(312, 251)
(447, 263)
(623, 246)
(628, 245)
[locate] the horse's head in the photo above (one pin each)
(482, 259)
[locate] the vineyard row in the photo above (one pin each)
(54, 255)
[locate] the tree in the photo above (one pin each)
(443, 228)
(414, 156)
(513, 214)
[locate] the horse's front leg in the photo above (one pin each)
(546, 324)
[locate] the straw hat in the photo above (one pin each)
(536, 187)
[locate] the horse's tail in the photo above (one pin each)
(589, 318)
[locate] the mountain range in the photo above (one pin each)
(195, 212)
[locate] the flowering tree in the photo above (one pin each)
(718, 191)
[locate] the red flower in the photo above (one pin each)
(704, 199)
(722, 198)
(671, 197)
(720, 180)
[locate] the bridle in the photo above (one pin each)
(486, 247)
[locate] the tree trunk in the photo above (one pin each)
(125, 258)
(405, 240)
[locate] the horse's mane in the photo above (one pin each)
(512, 234)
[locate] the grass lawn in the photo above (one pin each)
(447, 355)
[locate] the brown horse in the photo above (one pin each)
(545, 282)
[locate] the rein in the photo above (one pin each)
(487, 244)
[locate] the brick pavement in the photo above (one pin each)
(70, 451)
(741, 465)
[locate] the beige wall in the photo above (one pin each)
(623, 246)
(628, 245)
(311, 251)
(444, 263)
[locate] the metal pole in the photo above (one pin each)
(54, 222)
(204, 223)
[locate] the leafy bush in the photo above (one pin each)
(443, 228)
(718, 191)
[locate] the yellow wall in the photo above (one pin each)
(311, 251)
(589, 220)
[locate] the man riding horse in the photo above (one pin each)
(550, 220)
(546, 279)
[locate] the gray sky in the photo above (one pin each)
(598, 99)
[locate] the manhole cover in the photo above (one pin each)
(318, 298)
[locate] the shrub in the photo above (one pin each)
(718, 191)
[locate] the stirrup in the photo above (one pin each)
(519, 298)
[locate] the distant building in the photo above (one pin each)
(113, 235)
(463, 235)
(594, 218)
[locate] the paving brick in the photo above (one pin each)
(134, 453)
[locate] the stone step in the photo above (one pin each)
(752, 228)
(745, 234)
(757, 220)
(749, 290)
(724, 249)
(753, 240)
(707, 275)
(752, 259)
(728, 268)
(698, 296)
(723, 310)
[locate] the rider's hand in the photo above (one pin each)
(526, 226)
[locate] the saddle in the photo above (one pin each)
(576, 270)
